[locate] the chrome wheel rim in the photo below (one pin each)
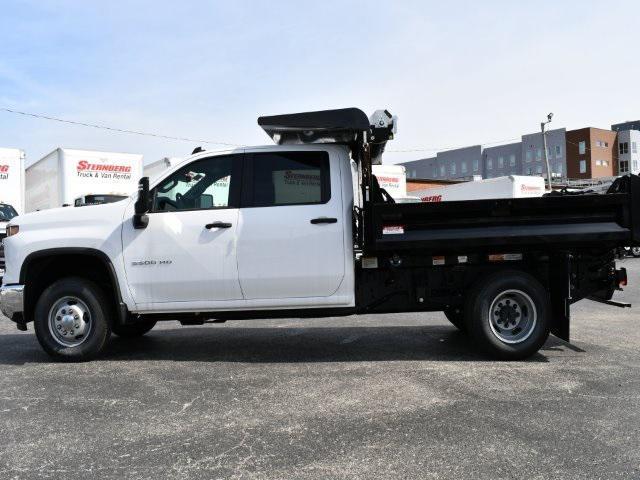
(512, 316)
(69, 321)
(635, 250)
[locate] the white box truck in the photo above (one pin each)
(79, 177)
(512, 186)
(11, 191)
(12, 178)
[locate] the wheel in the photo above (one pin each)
(132, 330)
(72, 319)
(456, 317)
(635, 251)
(508, 315)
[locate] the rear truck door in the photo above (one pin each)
(291, 227)
(187, 253)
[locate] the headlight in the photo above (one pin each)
(12, 230)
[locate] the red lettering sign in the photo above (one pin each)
(4, 168)
(85, 166)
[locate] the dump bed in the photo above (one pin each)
(555, 221)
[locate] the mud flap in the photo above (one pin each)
(560, 286)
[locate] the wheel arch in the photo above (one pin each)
(36, 274)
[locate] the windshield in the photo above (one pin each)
(7, 212)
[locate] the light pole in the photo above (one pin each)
(544, 146)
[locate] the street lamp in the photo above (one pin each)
(544, 144)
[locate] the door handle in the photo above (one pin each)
(316, 221)
(209, 226)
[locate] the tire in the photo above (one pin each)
(508, 315)
(456, 317)
(635, 251)
(132, 330)
(72, 319)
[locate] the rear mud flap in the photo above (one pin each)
(560, 285)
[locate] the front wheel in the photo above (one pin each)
(635, 251)
(508, 315)
(72, 319)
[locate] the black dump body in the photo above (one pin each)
(550, 222)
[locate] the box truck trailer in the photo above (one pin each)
(393, 180)
(12, 178)
(67, 177)
(512, 186)
(11, 191)
(153, 169)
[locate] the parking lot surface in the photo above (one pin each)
(392, 396)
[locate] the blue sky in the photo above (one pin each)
(456, 73)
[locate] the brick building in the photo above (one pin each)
(591, 153)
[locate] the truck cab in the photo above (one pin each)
(302, 228)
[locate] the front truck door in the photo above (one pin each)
(291, 228)
(187, 253)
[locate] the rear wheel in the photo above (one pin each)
(507, 314)
(72, 319)
(133, 330)
(635, 251)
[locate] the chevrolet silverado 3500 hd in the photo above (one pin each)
(302, 229)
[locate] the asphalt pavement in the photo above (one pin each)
(371, 397)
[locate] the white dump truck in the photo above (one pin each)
(280, 231)
(67, 177)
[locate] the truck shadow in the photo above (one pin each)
(280, 345)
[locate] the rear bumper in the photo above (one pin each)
(11, 300)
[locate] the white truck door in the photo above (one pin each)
(291, 226)
(187, 253)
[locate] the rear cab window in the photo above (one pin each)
(286, 178)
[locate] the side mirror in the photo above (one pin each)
(142, 205)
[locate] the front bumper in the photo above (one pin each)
(11, 300)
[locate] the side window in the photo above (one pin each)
(288, 178)
(203, 184)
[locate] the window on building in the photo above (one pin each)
(539, 169)
(489, 163)
(602, 163)
(512, 160)
(583, 166)
(624, 166)
(463, 167)
(476, 165)
(635, 166)
(529, 170)
(558, 151)
(624, 148)
(453, 169)
(529, 155)
(435, 172)
(539, 154)
(500, 162)
(634, 147)
(442, 171)
(582, 148)
(559, 169)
